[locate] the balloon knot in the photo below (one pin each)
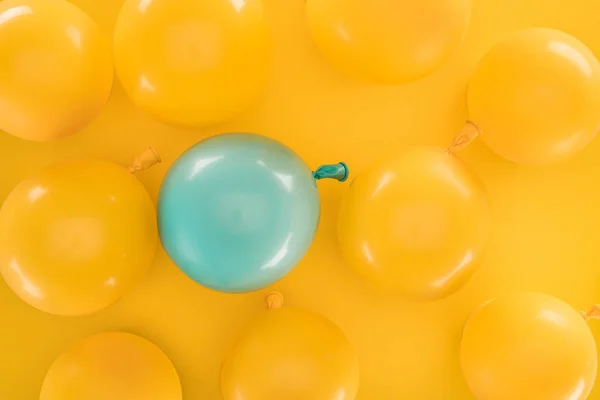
(592, 313)
(274, 300)
(469, 132)
(145, 160)
(337, 171)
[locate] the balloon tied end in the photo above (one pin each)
(273, 300)
(465, 137)
(339, 171)
(145, 160)
(592, 313)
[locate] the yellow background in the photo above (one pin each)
(545, 234)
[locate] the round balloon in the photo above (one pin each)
(536, 97)
(388, 41)
(75, 236)
(415, 223)
(528, 346)
(56, 69)
(192, 63)
(290, 354)
(116, 366)
(237, 212)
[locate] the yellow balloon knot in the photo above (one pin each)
(145, 160)
(465, 137)
(592, 313)
(274, 300)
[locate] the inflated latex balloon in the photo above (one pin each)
(290, 354)
(415, 224)
(388, 41)
(56, 69)
(77, 235)
(237, 212)
(116, 366)
(192, 63)
(528, 346)
(536, 97)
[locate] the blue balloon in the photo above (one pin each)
(238, 211)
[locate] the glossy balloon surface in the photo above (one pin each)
(536, 97)
(528, 346)
(192, 63)
(415, 223)
(116, 366)
(388, 41)
(290, 354)
(238, 211)
(76, 236)
(56, 69)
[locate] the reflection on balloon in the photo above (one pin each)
(56, 70)
(528, 346)
(192, 63)
(536, 97)
(115, 366)
(77, 235)
(415, 223)
(238, 211)
(388, 42)
(290, 354)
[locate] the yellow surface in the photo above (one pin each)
(76, 236)
(290, 354)
(544, 235)
(528, 346)
(113, 365)
(56, 69)
(415, 224)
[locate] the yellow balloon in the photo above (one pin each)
(192, 63)
(536, 97)
(76, 236)
(528, 346)
(293, 355)
(415, 223)
(56, 69)
(388, 41)
(115, 366)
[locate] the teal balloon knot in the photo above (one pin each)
(337, 171)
